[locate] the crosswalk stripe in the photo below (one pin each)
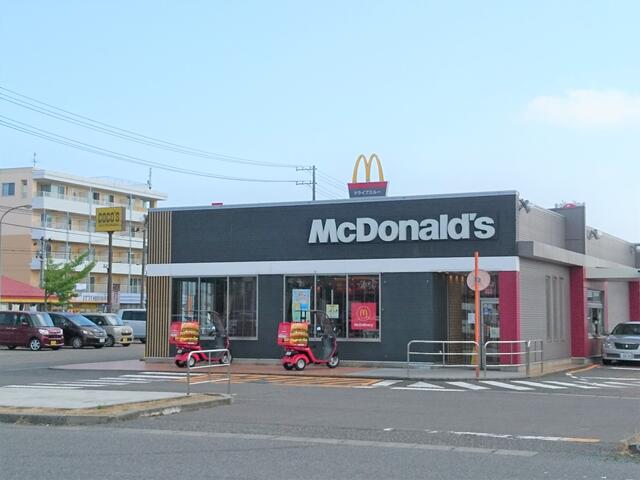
(163, 373)
(42, 387)
(120, 379)
(600, 384)
(567, 384)
(505, 385)
(424, 385)
(154, 378)
(623, 383)
(469, 386)
(540, 385)
(385, 383)
(437, 389)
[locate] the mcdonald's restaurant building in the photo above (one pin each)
(389, 270)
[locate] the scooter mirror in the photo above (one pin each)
(318, 328)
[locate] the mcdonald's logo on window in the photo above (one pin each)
(367, 188)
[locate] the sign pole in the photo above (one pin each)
(109, 277)
(477, 313)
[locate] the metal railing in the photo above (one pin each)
(444, 353)
(209, 365)
(525, 348)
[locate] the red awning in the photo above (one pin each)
(13, 289)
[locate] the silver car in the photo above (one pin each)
(117, 331)
(622, 344)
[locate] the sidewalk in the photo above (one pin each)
(395, 373)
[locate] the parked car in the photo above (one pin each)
(117, 331)
(78, 330)
(29, 329)
(623, 343)
(136, 318)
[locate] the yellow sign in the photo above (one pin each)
(110, 219)
(367, 168)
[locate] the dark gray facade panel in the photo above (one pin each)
(281, 233)
(574, 227)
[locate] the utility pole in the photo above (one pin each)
(311, 169)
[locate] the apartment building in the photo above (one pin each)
(60, 225)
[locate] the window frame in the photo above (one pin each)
(11, 189)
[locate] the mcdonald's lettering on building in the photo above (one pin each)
(367, 188)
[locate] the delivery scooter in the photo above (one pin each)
(220, 340)
(298, 353)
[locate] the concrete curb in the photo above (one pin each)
(60, 417)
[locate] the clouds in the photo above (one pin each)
(587, 109)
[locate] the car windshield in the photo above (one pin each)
(113, 319)
(41, 320)
(81, 321)
(627, 329)
(134, 315)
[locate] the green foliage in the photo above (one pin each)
(60, 279)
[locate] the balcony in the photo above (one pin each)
(82, 205)
(120, 264)
(81, 232)
(97, 293)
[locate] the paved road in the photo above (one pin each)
(324, 430)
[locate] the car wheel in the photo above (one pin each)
(76, 342)
(287, 366)
(192, 362)
(333, 362)
(126, 344)
(301, 363)
(35, 344)
(606, 362)
(11, 347)
(98, 346)
(179, 364)
(110, 341)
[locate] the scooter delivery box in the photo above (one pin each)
(185, 333)
(294, 334)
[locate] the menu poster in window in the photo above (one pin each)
(333, 310)
(300, 304)
(363, 315)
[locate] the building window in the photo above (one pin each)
(95, 196)
(232, 301)
(331, 298)
(364, 306)
(8, 189)
(298, 293)
(23, 189)
(595, 308)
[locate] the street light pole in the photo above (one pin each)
(1, 220)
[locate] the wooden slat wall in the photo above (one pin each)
(158, 288)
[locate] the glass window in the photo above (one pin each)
(243, 307)
(185, 296)
(213, 303)
(298, 305)
(364, 306)
(331, 298)
(8, 189)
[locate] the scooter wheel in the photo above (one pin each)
(192, 362)
(179, 364)
(301, 363)
(333, 362)
(287, 366)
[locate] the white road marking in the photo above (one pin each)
(567, 384)
(469, 386)
(600, 384)
(385, 383)
(528, 437)
(505, 385)
(154, 378)
(623, 384)
(424, 385)
(625, 368)
(42, 387)
(539, 385)
(120, 379)
(624, 379)
(81, 384)
(439, 389)
(481, 434)
(164, 373)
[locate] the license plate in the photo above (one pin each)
(53, 342)
(125, 340)
(626, 356)
(102, 340)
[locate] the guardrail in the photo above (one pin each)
(210, 365)
(525, 347)
(443, 353)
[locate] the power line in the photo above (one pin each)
(102, 127)
(60, 139)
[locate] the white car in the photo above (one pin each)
(136, 318)
(622, 344)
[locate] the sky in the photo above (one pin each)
(539, 96)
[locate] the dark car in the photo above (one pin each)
(79, 331)
(30, 329)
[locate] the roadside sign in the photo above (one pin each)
(110, 219)
(484, 279)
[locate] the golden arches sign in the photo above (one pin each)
(367, 168)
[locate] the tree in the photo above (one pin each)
(60, 279)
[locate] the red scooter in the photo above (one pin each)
(297, 355)
(220, 340)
